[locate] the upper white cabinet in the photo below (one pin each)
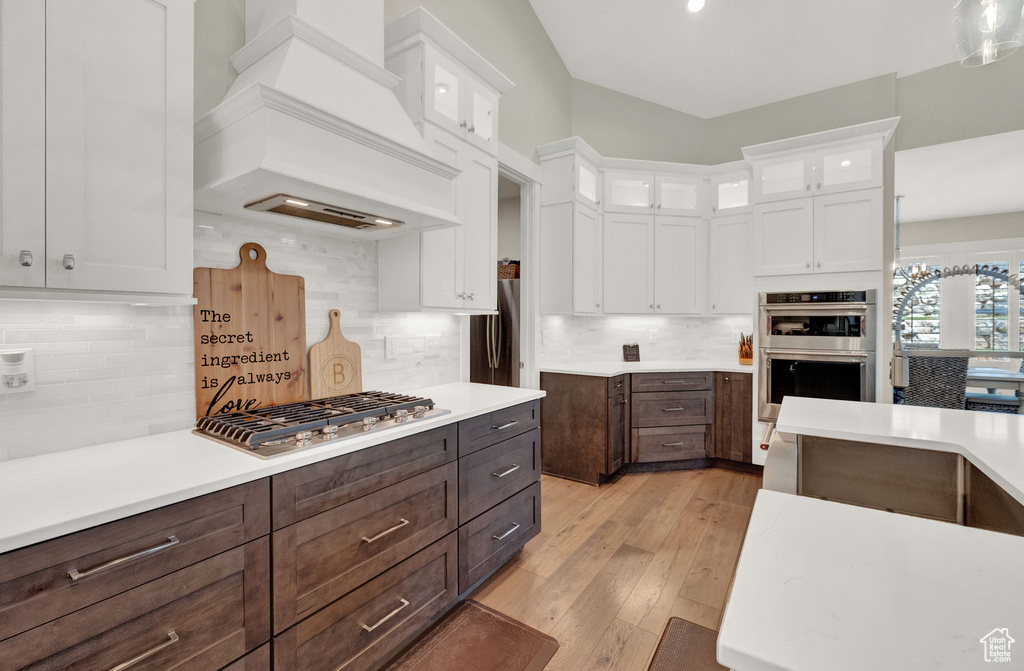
(628, 192)
(444, 82)
(653, 264)
(839, 232)
(586, 260)
(729, 278)
(570, 173)
(22, 143)
(730, 192)
(115, 156)
(784, 177)
(571, 271)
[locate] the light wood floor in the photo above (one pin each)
(612, 564)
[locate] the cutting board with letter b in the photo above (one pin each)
(250, 336)
(335, 364)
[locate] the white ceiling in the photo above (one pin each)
(738, 54)
(962, 179)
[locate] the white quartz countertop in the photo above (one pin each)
(612, 368)
(994, 442)
(54, 494)
(823, 585)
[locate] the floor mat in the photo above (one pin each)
(685, 646)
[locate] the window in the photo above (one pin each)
(991, 313)
(922, 319)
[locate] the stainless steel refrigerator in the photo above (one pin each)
(494, 340)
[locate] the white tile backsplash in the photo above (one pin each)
(600, 338)
(110, 371)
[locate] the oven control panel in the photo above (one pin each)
(817, 297)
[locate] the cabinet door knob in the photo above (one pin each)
(69, 262)
(652, 206)
(597, 305)
(659, 306)
(727, 378)
(713, 306)
(652, 306)
(472, 129)
(470, 296)
(464, 124)
(659, 206)
(808, 187)
(819, 185)
(462, 296)
(808, 264)
(819, 264)
(599, 202)
(25, 258)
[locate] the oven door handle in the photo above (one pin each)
(817, 353)
(818, 307)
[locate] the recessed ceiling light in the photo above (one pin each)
(442, 88)
(845, 164)
(299, 203)
(695, 5)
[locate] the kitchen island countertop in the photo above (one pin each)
(54, 494)
(613, 368)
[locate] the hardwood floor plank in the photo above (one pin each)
(556, 595)
(578, 498)
(651, 601)
(741, 488)
(698, 613)
(708, 579)
(633, 511)
(508, 589)
(566, 541)
(650, 534)
(581, 628)
(623, 648)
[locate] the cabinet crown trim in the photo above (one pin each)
(882, 129)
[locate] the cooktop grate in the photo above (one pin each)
(282, 422)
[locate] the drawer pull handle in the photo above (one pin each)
(75, 574)
(389, 531)
(505, 426)
(673, 409)
(508, 533)
(512, 469)
(172, 638)
(672, 444)
(387, 617)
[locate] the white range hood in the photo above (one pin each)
(311, 127)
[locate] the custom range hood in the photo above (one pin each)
(311, 128)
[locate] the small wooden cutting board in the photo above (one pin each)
(335, 364)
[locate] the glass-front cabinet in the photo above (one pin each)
(628, 192)
(677, 194)
(587, 180)
(843, 167)
(458, 102)
(644, 193)
(730, 192)
(782, 178)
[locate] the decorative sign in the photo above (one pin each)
(250, 336)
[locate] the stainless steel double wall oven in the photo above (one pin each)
(815, 344)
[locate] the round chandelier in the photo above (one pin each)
(985, 31)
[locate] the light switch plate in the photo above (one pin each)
(17, 370)
(390, 347)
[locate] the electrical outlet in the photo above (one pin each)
(433, 346)
(17, 371)
(544, 337)
(652, 335)
(390, 347)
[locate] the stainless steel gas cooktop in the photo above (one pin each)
(278, 429)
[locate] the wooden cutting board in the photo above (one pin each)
(250, 336)
(335, 363)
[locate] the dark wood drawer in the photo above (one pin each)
(36, 583)
(617, 385)
(488, 541)
(313, 489)
(678, 408)
(486, 430)
(671, 381)
(257, 660)
(671, 443)
(493, 474)
(201, 617)
(365, 628)
(328, 555)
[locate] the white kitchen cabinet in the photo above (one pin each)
(570, 173)
(840, 232)
(444, 82)
(680, 265)
(116, 167)
(22, 138)
(453, 268)
(627, 193)
(119, 167)
(784, 237)
(678, 194)
(730, 277)
(848, 231)
(820, 171)
(730, 192)
(653, 264)
(586, 261)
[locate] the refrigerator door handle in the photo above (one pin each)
(488, 339)
(497, 340)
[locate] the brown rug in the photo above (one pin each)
(474, 637)
(685, 646)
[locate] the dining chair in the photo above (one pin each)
(937, 382)
(993, 402)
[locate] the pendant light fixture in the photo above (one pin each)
(985, 31)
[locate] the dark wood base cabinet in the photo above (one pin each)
(595, 425)
(367, 550)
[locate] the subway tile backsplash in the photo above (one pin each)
(600, 338)
(110, 371)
